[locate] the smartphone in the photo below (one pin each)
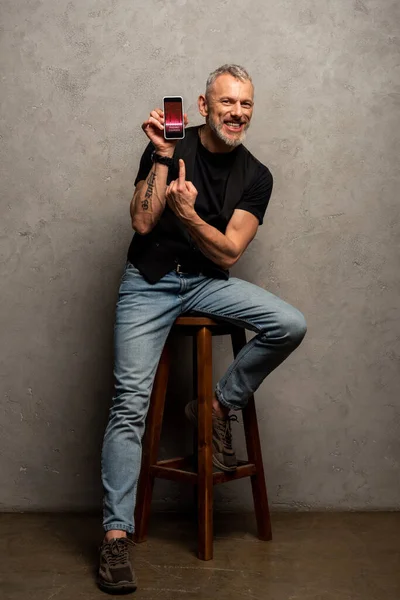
(174, 128)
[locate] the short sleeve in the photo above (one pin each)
(145, 164)
(256, 197)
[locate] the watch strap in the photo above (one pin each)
(163, 160)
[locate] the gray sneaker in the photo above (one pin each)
(224, 456)
(116, 575)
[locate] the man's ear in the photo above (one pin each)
(203, 106)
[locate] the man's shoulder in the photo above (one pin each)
(259, 168)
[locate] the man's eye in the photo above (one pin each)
(225, 102)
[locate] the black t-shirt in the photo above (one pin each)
(210, 178)
(211, 172)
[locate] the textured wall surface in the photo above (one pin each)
(77, 80)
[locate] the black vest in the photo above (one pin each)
(169, 243)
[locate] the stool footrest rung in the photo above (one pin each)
(174, 470)
(176, 463)
(244, 470)
(173, 474)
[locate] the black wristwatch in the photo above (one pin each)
(163, 160)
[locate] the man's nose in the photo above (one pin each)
(236, 109)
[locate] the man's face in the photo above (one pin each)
(230, 108)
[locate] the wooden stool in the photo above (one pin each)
(201, 329)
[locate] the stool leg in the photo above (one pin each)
(150, 447)
(195, 395)
(254, 453)
(259, 488)
(205, 468)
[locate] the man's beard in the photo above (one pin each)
(217, 129)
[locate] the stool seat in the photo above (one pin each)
(192, 320)
(188, 324)
(197, 469)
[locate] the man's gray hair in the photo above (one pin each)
(235, 70)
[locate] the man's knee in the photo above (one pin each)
(297, 327)
(293, 326)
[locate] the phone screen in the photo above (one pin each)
(173, 118)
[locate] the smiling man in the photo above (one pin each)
(197, 206)
(231, 102)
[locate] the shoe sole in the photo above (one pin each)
(193, 420)
(125, 587)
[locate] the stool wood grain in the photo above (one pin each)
(201, 329)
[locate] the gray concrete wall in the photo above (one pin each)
(77, 80)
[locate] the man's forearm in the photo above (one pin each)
(213, 244)
(148, 201)
(224, 249)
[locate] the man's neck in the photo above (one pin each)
(212, 142)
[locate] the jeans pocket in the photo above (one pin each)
(129, 274)
(131, 268)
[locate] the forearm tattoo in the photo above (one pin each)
(147, 200)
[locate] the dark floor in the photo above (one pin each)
(322, 556)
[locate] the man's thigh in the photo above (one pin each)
(242, 303)
(144, 316)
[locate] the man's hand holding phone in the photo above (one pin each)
(164, 129)
(154, 129)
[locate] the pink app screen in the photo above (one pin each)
(173, 118)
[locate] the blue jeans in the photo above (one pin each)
(144, 316)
